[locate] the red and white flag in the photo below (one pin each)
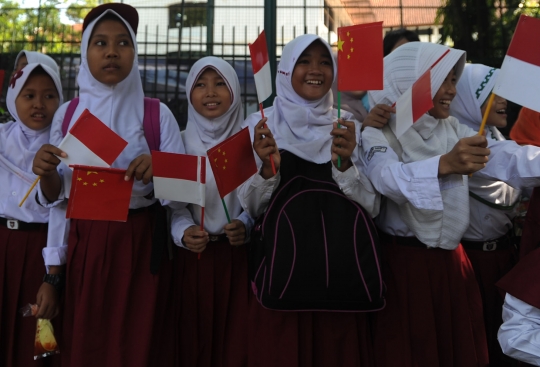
(412, 104)
(519, 78)
(90, 142)
(261, 67)
(179, 177)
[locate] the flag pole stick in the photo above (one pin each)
(338, 125)
(202, 228)
(484, 119)
(226, 211)
(271, 158)
(29, 191)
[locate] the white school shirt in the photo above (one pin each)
(16, 181)
(255, 193)
(56, 251)
(519, 335)
(417, 182)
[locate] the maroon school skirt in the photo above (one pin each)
(116, 312)
(213, 296)
(433, 315)
(489, 267)
(308, 338)
(21, 274)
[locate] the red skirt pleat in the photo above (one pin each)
(489, 267)
(308, 338)
(213, 296)
(433, 315)
(21, 274)
(115, 309)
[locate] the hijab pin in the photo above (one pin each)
(14, 78)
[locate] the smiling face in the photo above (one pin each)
(497, 114)
(313, 73)
(444, 96)
(110, 52)
(210, 95)
(38, 101)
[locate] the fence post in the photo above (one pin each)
(270, 27)
(210, 27)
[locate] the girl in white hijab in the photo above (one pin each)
(212, 264)
(32, 57)
(434, 309)
(112, 299)
(489, 239)
(33, 96)
(303, 124)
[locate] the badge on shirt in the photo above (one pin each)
(374, 150)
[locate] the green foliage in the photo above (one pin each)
(77, 10)
(483, 28)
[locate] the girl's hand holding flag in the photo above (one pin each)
(267, 150)
(344, 143)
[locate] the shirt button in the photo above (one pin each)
(486, 217)
(14, 193)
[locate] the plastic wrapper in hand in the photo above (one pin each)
(45, 343)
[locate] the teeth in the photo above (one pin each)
(501, 111)
(211, 104)
(316, 82)
(445, 101)
(38, 115)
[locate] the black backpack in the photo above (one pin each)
(314, 249)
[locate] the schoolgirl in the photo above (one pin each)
(434, 309)
(212, 264)
(26, 57)
(116, 311)
(34, 95)
(489, 240)
(303, 123)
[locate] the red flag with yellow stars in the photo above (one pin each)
(99, 193)
(232, 162)
(360, 57)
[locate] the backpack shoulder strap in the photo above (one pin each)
(151, 123)
(69, 114)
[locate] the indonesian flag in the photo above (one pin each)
(99, 193)
(261, 67)
(179, 177)
(412, 104)
(90, 142)
(232, 162)
(519, 78)
(360, 57)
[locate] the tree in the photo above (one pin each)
(483, 28)
(78, 9)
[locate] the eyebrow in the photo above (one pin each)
(308, 54)
(121, 35)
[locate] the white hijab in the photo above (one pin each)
(300, 126)
(120, 107)
(16, 132)
(202, 134)
(34, 57)
(473, 89)
(428, 137)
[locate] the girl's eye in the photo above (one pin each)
(199, 85)
(124, 43)
(50, 96)
(100, 43)
(29, 96)
(220, 84)
(303, 61)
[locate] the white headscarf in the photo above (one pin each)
(202, 134)
(473, 89)
(19, 134)
(300, 126)
(34, 57)
(120, 107)
(428, 137)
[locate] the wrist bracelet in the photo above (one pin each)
(58, 281)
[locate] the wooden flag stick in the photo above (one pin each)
(29, 191)
(484, 119)
(202, 228)
(338, 125)
(271, 158)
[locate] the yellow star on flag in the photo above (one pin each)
(85, 183)
(94, 184)
(79, 179)
(340, 43)
(101, 181)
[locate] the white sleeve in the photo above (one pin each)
(255, 193)
(55, 253)
(415, 182)
(518, 166)
(519, 335)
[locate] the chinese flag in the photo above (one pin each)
(360, 57)
(99, 193)
(232, 162)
